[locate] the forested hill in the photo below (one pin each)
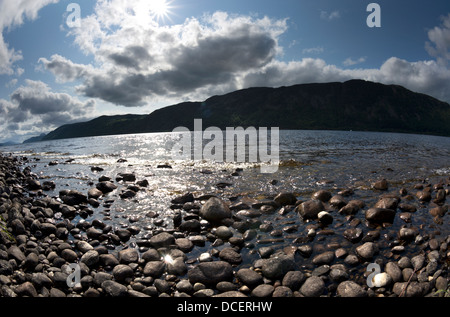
(354, 105)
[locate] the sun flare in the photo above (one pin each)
(160, 9)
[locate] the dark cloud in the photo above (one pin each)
(37, 106)
(131, 57)
(138, 64)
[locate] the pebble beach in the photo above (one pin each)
(332, 242)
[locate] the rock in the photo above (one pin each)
(354, 235)
(423, 196)
(367, 250)
(231, 294)
(394, 271)
(84, 246)
(293, 280)
(263, 290)
(123, 234)
(26, 289)
(305, 250)
(161, 240)
(192, 225)
(72, 197)
(405, 216)
(128, 256)
(215, 210)
(387, 203)
(41, 280)
(249, 277)
(350, 289)
(90, 258)
(154, 268)
(282, 291)
(18, 227)
(100, 277)
(108, 260)
(380, 215)
(323, 258)
(127, 194)
(340, 253)
(211, 273)
(413, 289)
(408, 234)
(284, 199)
(278, 265)
(33, 184)
(337, 201)
(69, 255)
(352, 207)
(231, 256)
(381, 280)
(151, 255)
(439, 211)
(68, 211)
(184, 244)
(94, 193)
(381, 185)
(126, 177)
(114, 289)
(184, 286)
(106, 187)
(15, 253)
(322, 195)
(176, 267)
(309, 210)
(93, 233)
(224, 233)
(188, 197)
(407, 207)
(314, 286)
(441, 283)
(338, 275)
(325, 218)
(418, 261)
(122, 272)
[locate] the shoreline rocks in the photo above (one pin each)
(275, 247)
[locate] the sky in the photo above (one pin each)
(69, 61)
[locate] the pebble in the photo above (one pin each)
(314, 286)
(350, 289)
(367, 250)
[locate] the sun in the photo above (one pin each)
(160, 9)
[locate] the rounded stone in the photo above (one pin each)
(314, 286)
(351, 289)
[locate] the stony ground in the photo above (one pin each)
(42, 249)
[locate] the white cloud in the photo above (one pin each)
(138, 59)
(424, 76)
(439, 45)
(35, 105)
(313, 50)
(329, 16)
(13, 14)
(351, 62)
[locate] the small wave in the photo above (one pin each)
(293, 163)
(443, 171)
